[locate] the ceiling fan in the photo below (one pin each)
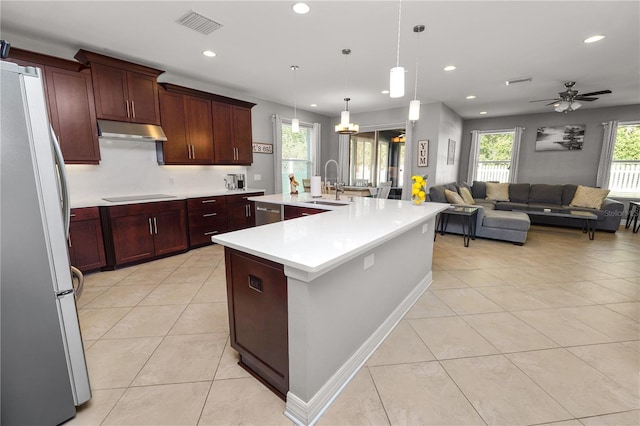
(567, 100)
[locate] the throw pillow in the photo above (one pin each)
(589, 197)
(497, 191)
(466, 195)
(453, 197)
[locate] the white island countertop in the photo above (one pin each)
(318, 243)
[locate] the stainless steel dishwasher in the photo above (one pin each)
(268, 213)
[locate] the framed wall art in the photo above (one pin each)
(560, 138)
(423, 153)
(451, 151)
(263, 148)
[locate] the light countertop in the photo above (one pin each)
(317, 243)
(164, 196)
(303, 199)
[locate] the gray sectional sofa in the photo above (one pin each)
(497, 220)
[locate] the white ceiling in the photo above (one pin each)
(488, 41)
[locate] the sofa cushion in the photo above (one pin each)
(510, 205)
(485, 204)
(453, 197)
(465, 193)
(506, 220)
(568, 192)
(436, 194)
(497, 191)
(519, 192)
(545, 194)
(587, 196)
(479, 190)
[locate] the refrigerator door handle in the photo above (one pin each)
(64, 187)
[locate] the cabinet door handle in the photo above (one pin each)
(155, 225)
(208, 201)
(193, 152)
(306, 214)
(211, 233)
(72, 215)
(69, 241)
(150, 227)
(133, 109)
(126, 104)
(210, 214)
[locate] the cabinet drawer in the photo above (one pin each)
(241, 198)
(292, 212)
(210, 204)
(85, 213)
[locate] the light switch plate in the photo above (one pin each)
(425, 228)
(257, 177)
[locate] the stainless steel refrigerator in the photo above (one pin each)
(44, 372)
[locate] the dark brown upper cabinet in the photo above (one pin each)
(223, 136)
(70, 102)
(123, 91)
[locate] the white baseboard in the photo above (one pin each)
(308, 413)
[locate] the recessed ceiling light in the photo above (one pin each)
(471, 97)
(385, 92)
(449, 68)
(483, 112)
(594, 38)
(313, 105)
(300, 8)
(209, 53)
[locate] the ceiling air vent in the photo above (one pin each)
(199, 23)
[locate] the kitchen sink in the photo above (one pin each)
(326, 203)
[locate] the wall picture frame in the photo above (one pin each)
(423, 153)
(560, 138)
(451, 152)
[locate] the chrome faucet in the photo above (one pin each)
(326, 177)
(339, 189)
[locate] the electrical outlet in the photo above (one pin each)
(425, 228)
(171, 180)
(257, 177)
(368, 261)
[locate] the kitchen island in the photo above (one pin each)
(310, 299)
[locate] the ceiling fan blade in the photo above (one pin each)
(583, 98)
(544, 100)
(601, 92)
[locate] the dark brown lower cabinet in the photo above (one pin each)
(207, 217)
(137, 232)
(240, 211)
(258, 317)
(86, 245)
(292, 212)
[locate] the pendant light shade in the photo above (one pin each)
(396, 82)
(414, 105)
(396, 75)
(295, 123)
(414, 110)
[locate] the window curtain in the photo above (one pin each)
(606, 154)
(473, 157)
(515, 154)
(316, 149)
(277, 153)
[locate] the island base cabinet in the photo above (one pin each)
(258, 318)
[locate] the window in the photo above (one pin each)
(494, 156)
(624, 178)
(297, 155)
(377, 157)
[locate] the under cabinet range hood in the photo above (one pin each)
(130, 131)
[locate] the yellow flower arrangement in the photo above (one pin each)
(418, 189)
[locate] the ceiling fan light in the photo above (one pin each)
(396, 82)
(575, 105)
(562, 106)
(414, 110)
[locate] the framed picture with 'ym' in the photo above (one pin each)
(423, 153)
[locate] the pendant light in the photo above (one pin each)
(396, 75)
(295, 123)
(346, 127)
(414, 105)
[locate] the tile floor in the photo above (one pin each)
(548, 332)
